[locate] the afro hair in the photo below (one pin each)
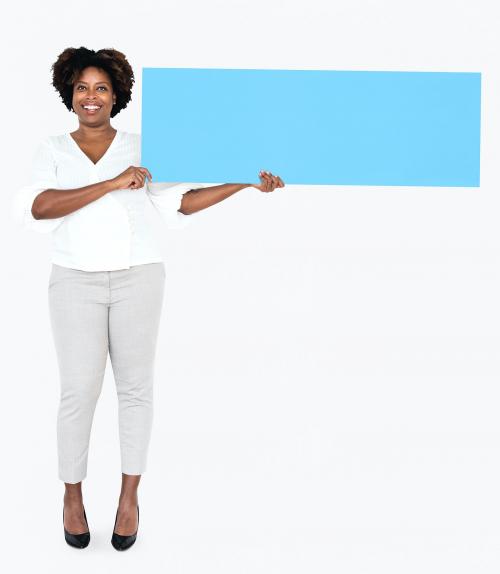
(72, 61)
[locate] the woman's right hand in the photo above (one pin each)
(132, 178)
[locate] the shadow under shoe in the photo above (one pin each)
(77, 540)
(122, 542)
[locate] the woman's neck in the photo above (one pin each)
(94, 132)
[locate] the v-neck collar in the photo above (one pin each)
(113, 142)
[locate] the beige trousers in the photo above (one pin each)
(93, 313)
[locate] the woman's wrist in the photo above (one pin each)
(109, 185)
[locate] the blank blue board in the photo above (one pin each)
(322, 127)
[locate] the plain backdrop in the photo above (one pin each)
(328, 367)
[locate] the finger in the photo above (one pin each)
(264, 180)
(141, 177)
(146, 172)
(269, 181)
(138, 177)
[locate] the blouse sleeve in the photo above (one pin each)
(43, 176)
(167, 199)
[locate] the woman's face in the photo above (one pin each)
(93, 88)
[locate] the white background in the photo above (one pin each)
(328, 366)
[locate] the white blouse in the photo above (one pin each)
(111, 232)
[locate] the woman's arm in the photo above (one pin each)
(197, 199)
(53, 203)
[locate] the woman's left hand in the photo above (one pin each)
(269, 182)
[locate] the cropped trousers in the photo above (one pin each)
(93, 313)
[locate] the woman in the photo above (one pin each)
(107, 280)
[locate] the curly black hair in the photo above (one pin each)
(72, 61)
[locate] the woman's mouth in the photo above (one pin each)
(91, 109)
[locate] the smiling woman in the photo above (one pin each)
(107, 282)
(106, 286)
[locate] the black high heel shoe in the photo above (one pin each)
(77, 540)
(122, 542)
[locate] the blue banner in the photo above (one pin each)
(312, 126)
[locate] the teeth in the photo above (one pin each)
(92, 107)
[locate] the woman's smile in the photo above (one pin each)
(91, 109)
